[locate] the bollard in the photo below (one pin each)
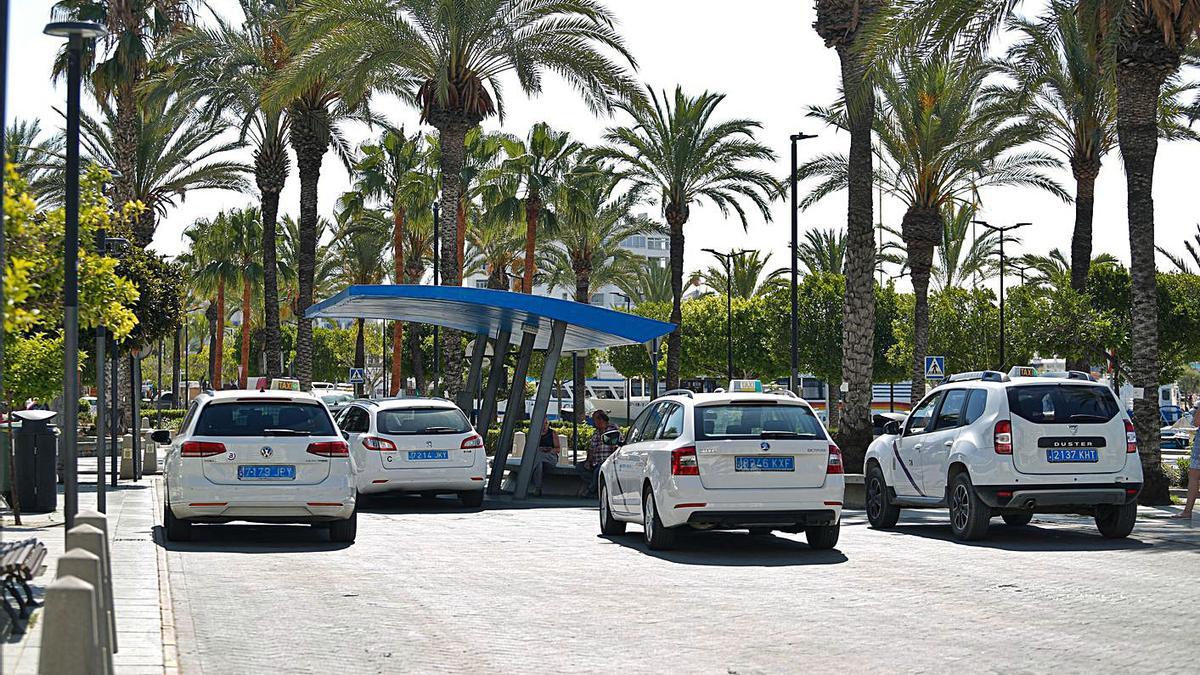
(127, 457)
(149, 454)
(100, 522)
(92, 540)
(86, 566)
(69, 642)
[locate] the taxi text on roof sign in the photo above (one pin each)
(285, 384)
(1023, 371)
(746, 386)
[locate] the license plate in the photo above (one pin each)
(415, 455)
(266, 472)
(764, 463)
(1062, 455)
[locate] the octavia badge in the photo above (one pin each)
(266, 452)
(765, 446)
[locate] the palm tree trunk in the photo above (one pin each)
(858, 327)
(417, 355)
(583, 294)
(835, 414)
(676, 217)
(461, 233)
(1138, 89)
(360, 351)
(1085, 171)
(210, 316)
(533, 206)
(310, 139)
(920, 261)
(125, 141)
(452, 133)
(271, 168)
(175, 364)
(245, 374)
(398, 219)
(219, 351)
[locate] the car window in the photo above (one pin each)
(653, 422)
(950, 414)
(264, 418)
(356, 421)
(187, 419)
(757, 420)
(975, 406)
(672, 426)
(635, 430)
(918, 421)
(1062, 403)
(422, 421)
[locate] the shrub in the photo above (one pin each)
(1181, 470)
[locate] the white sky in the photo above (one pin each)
(764, 56)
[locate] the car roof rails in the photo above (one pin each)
(981, 375)
(1071, 375)
(680, 392)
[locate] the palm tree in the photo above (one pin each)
(840, 24)
(392, 171)
(648, 283)
(359, 246)
(822, 251)
(1193, 250)
(228, 66)
(446, 56)
(1054, 270)
(678, 150)
(479, 176)
(245, 242)
(213, 259)
(748, 270)
(960, 263)
(494, 247)
(33, 157)
(118, 65)
(177, 152)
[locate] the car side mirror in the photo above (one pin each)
(891, 428)
(611, 438)
(161, 437)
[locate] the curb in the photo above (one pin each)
(170, 647)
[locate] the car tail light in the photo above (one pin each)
(329, 449)
(201, 449)
(1003, 437)
(474, 441)
(835, 461)
(1130, 437)
(683, 462)
(377, 444)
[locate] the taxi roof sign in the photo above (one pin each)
(1023, 371)
(746, 386)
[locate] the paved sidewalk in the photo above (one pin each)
(145, 632)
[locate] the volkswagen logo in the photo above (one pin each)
(765, 446)
(266, 452)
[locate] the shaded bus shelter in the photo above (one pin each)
(535, 323)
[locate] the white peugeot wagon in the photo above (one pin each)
(725, 461)
(260, 456)
(424, 445)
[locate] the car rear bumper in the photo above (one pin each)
(1057, 497)
(741, 508)
(457, 479)
(733, 520)
(201, 501)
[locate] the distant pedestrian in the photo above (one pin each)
(598, 451)
(547, 456)
(1193, 487)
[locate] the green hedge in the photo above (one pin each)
(564, 428)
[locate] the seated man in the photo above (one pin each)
(597, 453)
(547, 457)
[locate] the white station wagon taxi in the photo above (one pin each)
(724, 461)
(260, 456)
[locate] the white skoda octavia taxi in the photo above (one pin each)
(270, 456)
(725, 461)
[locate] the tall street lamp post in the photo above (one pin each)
(1003, 231)
(437, 263)
(75, 32)
(794, 373)
(726, 260)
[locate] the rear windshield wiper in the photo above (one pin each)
(1086, 417)
(439, 430)
(285, 432)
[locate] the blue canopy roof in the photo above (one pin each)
(481, 310)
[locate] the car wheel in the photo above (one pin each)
(471, 498)
(1116, 522)
(823, 537)
(176, 529)
(344, 531)
(1017, 519)
(969, 516)
(609, 526)
(881, 512)
(658, 538)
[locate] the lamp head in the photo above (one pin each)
(66, 29)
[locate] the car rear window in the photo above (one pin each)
(264, 418)
(420, 421)
(752, 420)
(1062, 403)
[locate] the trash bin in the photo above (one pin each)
(5, 475)
(36, 459)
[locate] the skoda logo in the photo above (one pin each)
(765, 446)
(266, 452)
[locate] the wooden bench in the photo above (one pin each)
(561, 480)
(20, 562)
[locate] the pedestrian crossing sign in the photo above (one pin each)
(357, 376)
(935, 367)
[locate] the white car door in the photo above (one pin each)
(935, 450)
(625, 459)
(656, 439)
(355, 422)
(907, 450)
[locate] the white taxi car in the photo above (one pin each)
(269, 456)
(724, 461)
(422, 445)
(986, 444)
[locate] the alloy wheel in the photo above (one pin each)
(874, 498)
(648, 510)
(960, 507)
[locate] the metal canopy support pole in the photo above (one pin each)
(135, 382)
(487, 411)
(512, 410)
(541, 402)
(114, 420)
(467, 395)
(101, 415)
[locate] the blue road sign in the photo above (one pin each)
(935, 367)
(357, 376)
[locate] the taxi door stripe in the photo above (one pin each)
(900, 461)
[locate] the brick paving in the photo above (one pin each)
(431, 587)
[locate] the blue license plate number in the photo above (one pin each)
(266, 472)
(764, 463)
(418, 455)
(1067, 455)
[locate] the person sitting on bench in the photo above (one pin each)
(547, 457)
